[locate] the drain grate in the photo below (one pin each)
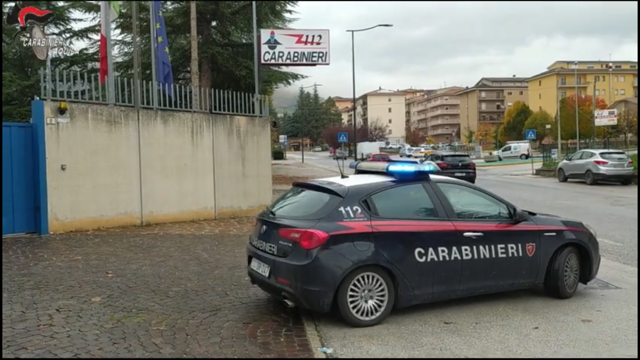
(597, 284)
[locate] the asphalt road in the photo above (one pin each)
(600, 321)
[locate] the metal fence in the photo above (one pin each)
(76, 86)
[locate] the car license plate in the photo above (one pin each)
(618, 165)
(260, 267)
(460, 174)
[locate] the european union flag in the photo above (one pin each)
(164, 72)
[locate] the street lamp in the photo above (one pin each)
(302, 140)
(575, 71)
(353, 81)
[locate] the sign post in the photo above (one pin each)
(531, 135)
(608, 117)
(282, 139)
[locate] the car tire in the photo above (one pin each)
(589, 178)
(626, 182)
(523, 157)
(499, 158)
(562, 177)
(375, 277)
(472, 181)
(563, 273)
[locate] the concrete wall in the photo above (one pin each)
(106, 167)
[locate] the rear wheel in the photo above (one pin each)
(563, 274)
(523, 157)
(589, 178)
(366, 297)
(561, 176)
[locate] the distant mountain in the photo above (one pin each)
(284, 99)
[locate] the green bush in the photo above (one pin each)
(634, 157)
(277, 154)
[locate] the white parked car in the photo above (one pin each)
(515, 150)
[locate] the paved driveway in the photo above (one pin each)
(162, 291)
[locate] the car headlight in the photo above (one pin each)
(590, 228)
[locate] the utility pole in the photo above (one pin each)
(575, 71)
(195, 70)
(558, 122)
(593, 128)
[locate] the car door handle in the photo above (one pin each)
(472, 234)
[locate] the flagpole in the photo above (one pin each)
(111, 87)
(154, 83)
(256, 59)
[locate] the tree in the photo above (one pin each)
(469, 135)
(628, 124)
(539, 121)
(485, 134)
(512, 127)
(330, 113)
(378, 130)
(412, 135)
(585, 115)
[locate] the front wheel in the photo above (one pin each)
(523, 157)
(366, 297)
(589, 178)
(499, 158)
(563, 273)
(561, 176)
(626, 182)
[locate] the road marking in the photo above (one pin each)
(610, 242)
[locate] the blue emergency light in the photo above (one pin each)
(404, 170)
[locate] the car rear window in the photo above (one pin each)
(306, 204)
(456, 157)
(614, 155)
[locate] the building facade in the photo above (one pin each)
(610, 80)
(438, 115)
(384, 107)
(487, 101)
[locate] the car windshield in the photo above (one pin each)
(614, 155)
(456, 157)
(301, 203)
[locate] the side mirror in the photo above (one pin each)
(520, 216)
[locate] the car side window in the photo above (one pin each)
(587, 155)
(404, 202)
(575, 156)
(506, 148)
(435, 158)
(471, 204)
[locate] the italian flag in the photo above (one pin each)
(109, 11)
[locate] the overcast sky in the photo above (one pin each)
(456, 43)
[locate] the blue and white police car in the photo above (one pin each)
(395, 234)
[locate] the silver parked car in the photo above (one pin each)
(406, 152)
(340, 154)
(596, 165)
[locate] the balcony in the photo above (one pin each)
(489, 97)
(562, 83)
(635, 82)
(493, 110)
(444, 112)
(442, 102)
(490, 119)
(441, 131)
(443, 122)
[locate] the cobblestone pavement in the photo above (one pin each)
(177, 290)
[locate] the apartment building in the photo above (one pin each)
(386, 107)
(345, 106)
(610, 80)
(487, 101)
(438, 115)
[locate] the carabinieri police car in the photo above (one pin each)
(394, 235)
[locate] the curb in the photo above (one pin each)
(311, 328)
(512, 164)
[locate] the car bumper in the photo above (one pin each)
(614, 175)
(462, 175)
(288, 280)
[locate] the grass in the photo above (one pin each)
(634, 157)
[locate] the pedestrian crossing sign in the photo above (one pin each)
(343, 138)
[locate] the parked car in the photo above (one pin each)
(317, 149)
(340, 154)
(406, 152)
(379, 158)
(596, 165)
(455, 165)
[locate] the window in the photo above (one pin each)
(590, 66)
(596, 78)
(617, 66)
(614, 155)
(633, 66)
(603, 92)
(539, 96)
(300, 203)
(587, 155)
(521, 92)
(506, 148)
(575, 156)
(472, 204)
(621, 78)
(390, 121)
(615, 92)
(389, 99)
(483, 106)
(509, 93)
(597, 92)
(483, 94)
(563, 81)
(563, 94)
(615, 79)
(404, 202)
(389, 109)
(622, 92)
(604, 78)
(539, 82)
(390, 131)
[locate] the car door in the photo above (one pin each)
(582, 163)
(505, 152)
(412, 231)
(571, 165)
(497, 252)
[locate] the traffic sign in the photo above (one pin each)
(285, 143)
(343, 138)
(530, 134)
(282, 138)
